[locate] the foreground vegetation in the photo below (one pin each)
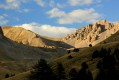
(107, 68)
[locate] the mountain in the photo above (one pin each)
(30, 38)
(91, 34)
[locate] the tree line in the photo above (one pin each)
(42, 71)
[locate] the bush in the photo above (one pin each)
(7, 76)
(70, 57)
(76, 50)
(95, 54)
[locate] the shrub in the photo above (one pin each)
(70, 57)
(7, 76)
(95, 54)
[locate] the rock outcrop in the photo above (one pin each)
(91, 34)
(1, 33)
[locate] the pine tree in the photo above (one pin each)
(95, 54)
(73, 74)
(42, 71)
(103, 52)
(60, 72)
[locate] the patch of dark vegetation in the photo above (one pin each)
(76, 50)
(42, 69)
(101, 53)
(70, 57)
(73, 50)
(9, 75)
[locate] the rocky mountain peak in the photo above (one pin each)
(92, 33)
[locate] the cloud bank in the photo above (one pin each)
(48, 30)
(75, 16)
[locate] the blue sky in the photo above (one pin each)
(56, 17)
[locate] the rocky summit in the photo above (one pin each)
(91, 34)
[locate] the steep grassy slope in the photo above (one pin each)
(16, 58)
(84, 55)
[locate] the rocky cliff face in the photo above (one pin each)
(91, 34)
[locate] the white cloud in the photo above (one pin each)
(48, 30)
(23, 10)
(13, 4)
(3, 21)
(40, 2)
(80, 2)
(55, 12)
(75, 16)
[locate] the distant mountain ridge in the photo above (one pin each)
(91, 34)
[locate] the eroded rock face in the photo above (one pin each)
(92, 33)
